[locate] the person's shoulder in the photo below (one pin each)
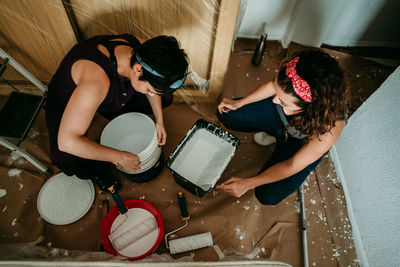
(87, 71)
(141, 40)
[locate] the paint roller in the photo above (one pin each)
(190, 242)
(121, 240)
(135, 233)
(123, 210)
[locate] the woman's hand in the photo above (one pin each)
(128, 161)
(161, 134)
(227, 105)
(235, 186)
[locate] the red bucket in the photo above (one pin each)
(108, 220)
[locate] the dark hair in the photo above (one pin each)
(162, 54)
(328, 90)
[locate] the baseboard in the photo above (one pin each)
(360, 43)
(362, 257)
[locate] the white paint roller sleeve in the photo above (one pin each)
(190, 243)
(121, 241)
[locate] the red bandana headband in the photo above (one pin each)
(300, 86)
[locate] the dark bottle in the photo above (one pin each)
(260, 48)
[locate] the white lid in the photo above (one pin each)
(65, 199)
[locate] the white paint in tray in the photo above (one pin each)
(203, 159)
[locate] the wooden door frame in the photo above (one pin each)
(228, 13)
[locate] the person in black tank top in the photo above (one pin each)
(112, 75)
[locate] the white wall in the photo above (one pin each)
(275, 13)
(367, 159)
(313, 22)
(366, 23)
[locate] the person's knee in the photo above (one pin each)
(226, 120)
(268, 201)
(267, 198)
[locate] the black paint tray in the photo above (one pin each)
(201, 157)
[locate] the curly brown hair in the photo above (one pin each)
(328, 89)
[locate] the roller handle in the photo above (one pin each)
(182, 204)
(121, 206)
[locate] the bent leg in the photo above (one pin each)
(258, 116)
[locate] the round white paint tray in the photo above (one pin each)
(65, 199)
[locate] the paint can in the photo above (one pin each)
(136, 133)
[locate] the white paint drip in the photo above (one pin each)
(220, 254)
(313, 201)
(241, 235)
(297, 207)
(321, 216)
(253, 254)
(14, 221)
(14, 172)
(3, 192)
(4, 208)
(20, 186)
(33, 133)
(54, 251)
(15, 155)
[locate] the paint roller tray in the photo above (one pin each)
(201, 157)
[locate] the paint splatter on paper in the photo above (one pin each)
(14, 172)
(3, 192)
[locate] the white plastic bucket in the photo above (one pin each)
(133, 132)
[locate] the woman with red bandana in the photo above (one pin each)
(304, 108)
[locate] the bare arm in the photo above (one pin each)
(308, 154)
(264, 91)
(141, 40)
(92, 88)
(156, 106)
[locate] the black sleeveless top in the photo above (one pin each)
(62, 85)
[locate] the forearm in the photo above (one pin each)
(264, 91)
(83, 147)
(156, 106)
(276, 172)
